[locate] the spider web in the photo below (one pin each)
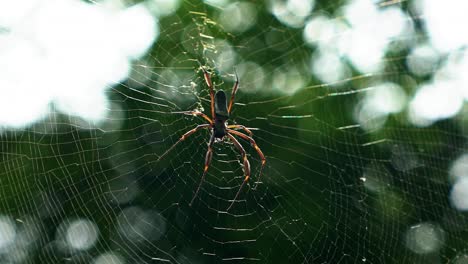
(341, 185)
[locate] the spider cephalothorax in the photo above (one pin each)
(220, 111)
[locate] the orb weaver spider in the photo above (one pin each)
(220, 111)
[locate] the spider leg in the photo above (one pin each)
(255, 146)
(246, 167)
(209, 155)
(241, 127)
(195, 113)
(183, 137)
(233, 95)
(210, 85)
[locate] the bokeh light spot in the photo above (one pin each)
(238, 17)
(109, 258)
(424, 238)
(138, 225)
(459, 168)
(326, 65)
(82, 234)
(7, 231)
(422, 60)
(386, 98)
(439, 16)
(161, 8)
(376, 178)
(252, 77)
(438, 100)
(459, 194)
(291, 12)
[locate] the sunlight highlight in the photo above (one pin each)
(15, 12)
(371, 32)
(291, 12)
(362, 37)
(54, 57)
(445, 22)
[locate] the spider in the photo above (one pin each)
(220, 111)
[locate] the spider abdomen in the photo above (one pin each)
(219, 128)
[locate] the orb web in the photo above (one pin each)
(359, 167)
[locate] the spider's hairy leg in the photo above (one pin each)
(209, 155)
(255, 146)
(210, 85)
(246, 167)
(233, 94)
(195, 113)
(183, 137)
(241, 127)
